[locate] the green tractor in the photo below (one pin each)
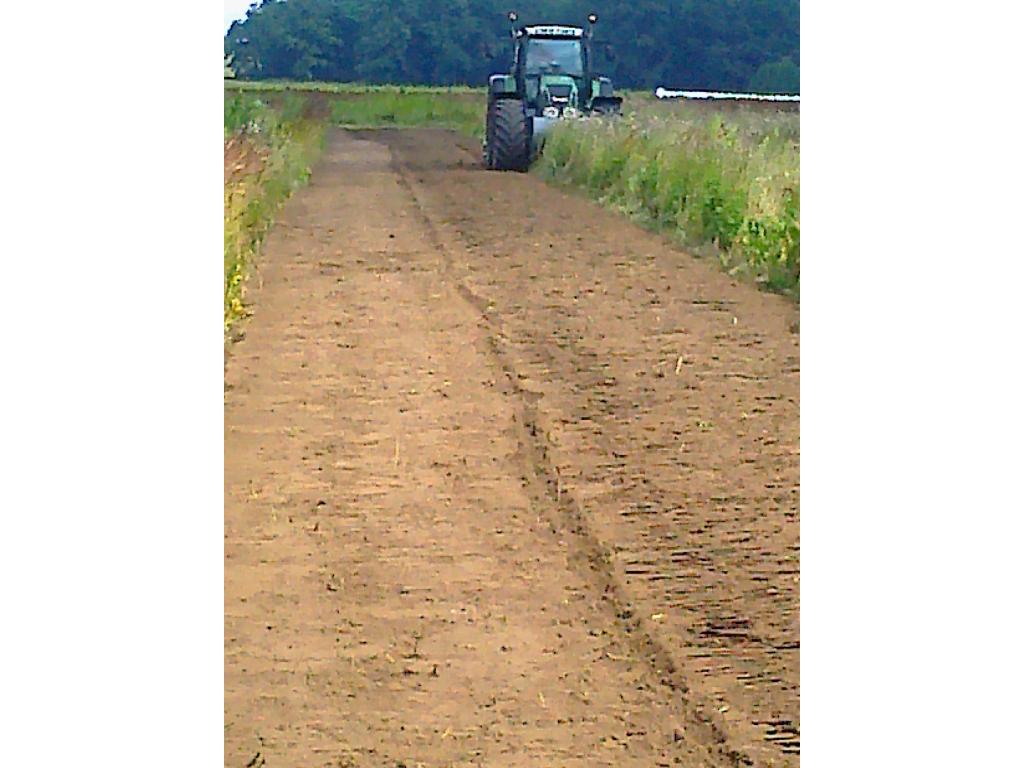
(552, 79)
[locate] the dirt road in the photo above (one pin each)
(508, 482)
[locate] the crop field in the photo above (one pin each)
(511, 459)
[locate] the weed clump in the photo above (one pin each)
(267, 154)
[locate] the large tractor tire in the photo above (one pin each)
(508, 136)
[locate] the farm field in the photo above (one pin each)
(511, 478)
(720, 178)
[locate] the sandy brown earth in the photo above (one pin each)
(508, 482)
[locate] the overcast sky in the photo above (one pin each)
(234, 9)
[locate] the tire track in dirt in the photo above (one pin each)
(398, 583)
(695, 513)
(591, 556)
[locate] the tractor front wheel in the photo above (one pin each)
(508, 136)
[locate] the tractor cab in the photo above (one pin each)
(551, 65)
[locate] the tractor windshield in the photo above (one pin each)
(554, 57)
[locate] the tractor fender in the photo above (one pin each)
(502, 87)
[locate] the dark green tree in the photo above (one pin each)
(781, 76)
(708, 44)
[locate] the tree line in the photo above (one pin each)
(694, 44)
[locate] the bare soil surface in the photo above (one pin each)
(508, 482)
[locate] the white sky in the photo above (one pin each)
(234, 9)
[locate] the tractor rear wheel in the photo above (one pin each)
(508, 135)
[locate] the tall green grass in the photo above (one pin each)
(731, 183)
(279, 146)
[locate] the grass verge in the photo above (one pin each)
(354, 105)
(313, 86)
(267, 154)
(383, 109)
(728, 185)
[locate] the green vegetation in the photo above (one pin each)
(384, 109)
(781, 76)
(698, 44)
(383, 106)
(316, 86)
(729, 183)
(267, 153)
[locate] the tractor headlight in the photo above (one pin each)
(570, 113)
(550, 111)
